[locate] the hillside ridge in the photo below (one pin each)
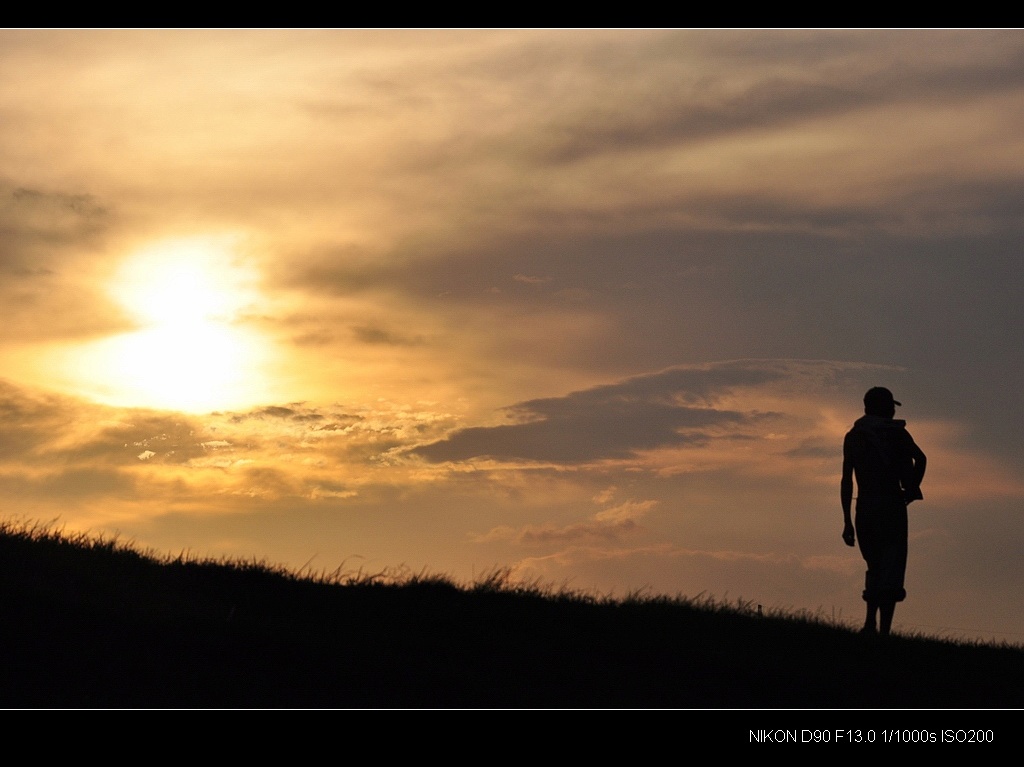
(91, 622)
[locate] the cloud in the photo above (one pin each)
(369, 334)
(612, 421)
(82, 484)
(50, 445)
(530, 280)
(665, 98)
(34, 222)
(26, 422)
(774, 578)
(608, 525)
(51, 239)
(41, 429)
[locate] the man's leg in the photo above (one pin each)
(867, 538)
(870, 620)
(883, 544)
(886, 610)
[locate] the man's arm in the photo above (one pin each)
(846, 496)
(920, 461)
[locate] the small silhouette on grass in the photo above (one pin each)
(889, 467)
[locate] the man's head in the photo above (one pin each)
(879, 401)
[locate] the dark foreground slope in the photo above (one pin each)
(91, 623)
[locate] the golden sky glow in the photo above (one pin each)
(596, 305)
(188, 351)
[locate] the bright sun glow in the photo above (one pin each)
(190, 351)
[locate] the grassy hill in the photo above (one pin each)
(91, 622)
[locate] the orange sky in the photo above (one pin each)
(595, 305)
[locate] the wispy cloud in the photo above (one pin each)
(612, 421)
(609, 525)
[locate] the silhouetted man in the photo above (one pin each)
(889, 467)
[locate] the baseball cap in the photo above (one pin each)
(879, 397)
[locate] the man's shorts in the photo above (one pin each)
(881, 525)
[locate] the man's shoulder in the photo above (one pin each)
(908, 442)
(904, 434)
(853, 442)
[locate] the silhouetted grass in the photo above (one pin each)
(87, 621)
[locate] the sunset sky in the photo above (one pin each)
(594, 305)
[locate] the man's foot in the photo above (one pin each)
(869, 630)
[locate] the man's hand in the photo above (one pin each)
(848, 534)
(914, 494)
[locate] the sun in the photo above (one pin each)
(191, 350)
